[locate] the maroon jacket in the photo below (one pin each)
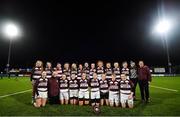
(144, 73)
(53, 87)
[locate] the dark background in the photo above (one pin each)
(79, 31)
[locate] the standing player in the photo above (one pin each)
(35, 75)
(73, 89)
(58, 70)
(92, 70)
(63, 85)
(67, 70)
(48, 70)
(125, 69)
(100, 69)
(116, 71)
(74, 69)
(108, 71)
(86, 69)
(80, 70)
(83, 90)
(95, 93)
(126, 93)
(41, 89)
(104, 91)
(133, 77)
(114, 91)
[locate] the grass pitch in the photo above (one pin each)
(163, 101)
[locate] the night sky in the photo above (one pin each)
(66, 31)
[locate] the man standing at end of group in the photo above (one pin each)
(144, 78)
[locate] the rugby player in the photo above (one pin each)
(64, 91)
(74, 69)
(114, 91)
(58, 70)
(108, 71)
(95, 90)
(92, 70)
(73, 89)
(126, 92)
(67, 71)
(100, 69)
(104, 91)
(41, 89)
(125, 69)
(49, 70)
(83, 90)
(116, 71)
(86, 69)
(80, 70)
(35, 75)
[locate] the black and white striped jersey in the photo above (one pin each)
(104, 86)
(63, 84)
(125, 86)
(91, 72)
(48, 72)
(108, 72)
(100, 71)
(86, 70)
(79, 75)
(73, 84)
(94, 84)
(125, 71)
(117, 73)
(67, 72)
(74, 71)
(114, 86)
(83, 85)
(36, 73)
(41, 85)
(59, 72)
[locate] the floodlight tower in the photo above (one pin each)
(163, 27)
(10, 31)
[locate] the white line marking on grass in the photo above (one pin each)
(3, 96)
(164, 88)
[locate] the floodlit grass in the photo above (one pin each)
(163, 102)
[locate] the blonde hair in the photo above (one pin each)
(41, 63)
(99, 62)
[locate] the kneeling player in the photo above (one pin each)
(126, 93)
(41, 89)
(63, 85)
(73, 89)
(114, 91)
(104, 92)
(95, 93)
(83, 90)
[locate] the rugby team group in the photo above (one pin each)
(94, 84)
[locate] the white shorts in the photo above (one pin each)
(83, 94)
(41, 95)
(124, 99)
(95, 95)
(64, 94)
(73, 93)
(114, 97)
